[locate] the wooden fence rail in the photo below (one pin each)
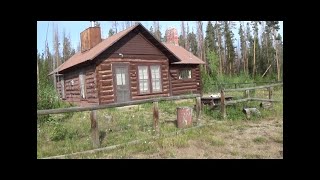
(246, 96)
(238, 84)
(251, 88)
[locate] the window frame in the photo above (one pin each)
(83, 79)
(185, 69)
(148, 80)
(150, 87)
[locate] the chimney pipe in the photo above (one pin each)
(92, 23)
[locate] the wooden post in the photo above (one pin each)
(246, 94)
(270, 92)
(198, 109)
(156, 117)
(223, 105)
(94, 129)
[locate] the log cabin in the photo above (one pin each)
(127, 66)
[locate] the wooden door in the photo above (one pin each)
(121, 82)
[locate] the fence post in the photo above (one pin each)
(270, 92)
(246, 94)
(156, 117)
(198, 109)
(94, 129)
(223, 106)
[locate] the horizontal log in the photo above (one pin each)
(106, 93)
(138, 97)
(105, 66)
(237, 101)
(265, 100)
(184, 84)
(106, 88)
(251, 88)
(103, 101)
(96, 107)
(182, 87)
(104, 71)
(109, 76)
(106, 82)
(177, 92)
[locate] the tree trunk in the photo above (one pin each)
(277, 58)
(37, 72)
(220, 58)
(254, 57)
(230, 64)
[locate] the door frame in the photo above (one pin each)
(114, 65)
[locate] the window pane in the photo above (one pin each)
(82, 84)
(185, 74)
(119, 79)
(143, 79)
(155, 77)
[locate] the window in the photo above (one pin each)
(82, 78)
(185, 74)
(150, 80)
(156, 78)
(62, 88)
(121, 77)
(143, 79)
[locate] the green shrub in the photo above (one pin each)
(58, 132)
(48, 98)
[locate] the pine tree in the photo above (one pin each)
(115, 26)
(56, 45)
(219, 35)
(255, 46)
(96, 24)
(183, 37)
(200, 40)
(249, 53)
(67, 50)
(274, 26)
(243, 47)
(210, 38)
(157, 30)
(230, 53)
(187, 41)
(181, 41)
(193, 43)
(111, 32)
(151, 30)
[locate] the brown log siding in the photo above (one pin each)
(72, 93)
(105, 80)
(185, 86)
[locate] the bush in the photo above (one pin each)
(58, 133)
(48, 98)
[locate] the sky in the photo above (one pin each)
(74, 28)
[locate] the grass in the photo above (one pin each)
(234, 137)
